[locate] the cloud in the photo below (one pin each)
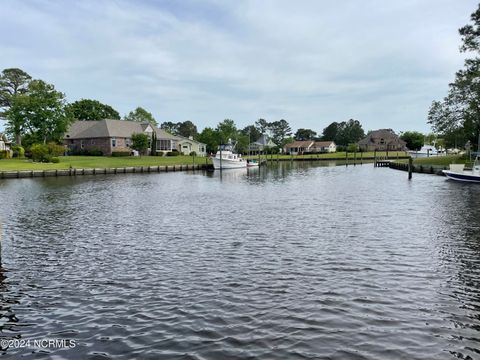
(309, 62)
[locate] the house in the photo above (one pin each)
(325, 147)
(187, 145)
(105, 135)
(299, 147)
(382, 140)
(310, 146)
(108, 136)
(5, 145)
(263, 143)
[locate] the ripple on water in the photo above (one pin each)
(285, 262)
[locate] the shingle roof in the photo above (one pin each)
(323, 143)
(300, 144)
(110, 128)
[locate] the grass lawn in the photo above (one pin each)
(85, 162)
(337, 155)
(440, 160)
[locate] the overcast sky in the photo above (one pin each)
(309, 62)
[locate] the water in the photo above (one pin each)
(289, 262)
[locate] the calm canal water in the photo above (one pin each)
(291, 261)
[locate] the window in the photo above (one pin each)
(92, 142)
(128, 141)
(114, 142)
(185, 146)
(164, 145)
(81, 144)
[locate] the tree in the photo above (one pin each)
(87, 109)
(349, 132)
(141, 115)
(459, 111)
(227, 131)
(262, 126)
(210, 137)
(414, 139)
(154, 144)
(252, 132)
(305, 134)
(330, 132)
(42, 112)
(170, 127)
(280, 131)
(186, 129)
(140, 142)
(13, 82)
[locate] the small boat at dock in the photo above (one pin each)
(458, 173)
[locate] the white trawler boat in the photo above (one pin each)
(227, 159)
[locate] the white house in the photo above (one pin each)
(324, 146)
(4, 143)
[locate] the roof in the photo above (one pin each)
(183, 138)
(324, 143)
(387, 134)
(83, 129)
(300, 144)
(264, 141)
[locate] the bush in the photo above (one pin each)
(55, 160)
(18, 151)
(85, 152)
(193, 153)
(39, 153)
(55, 149)
(5, 154)
(120, 153)
(173, 153)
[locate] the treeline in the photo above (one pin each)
(457, 116)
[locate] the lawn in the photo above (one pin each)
(440, 160)
(337, 155)
(86, 162)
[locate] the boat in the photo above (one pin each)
(426, 151)
(225, 158)
(458, 173)
(252, 163)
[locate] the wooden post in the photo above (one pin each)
(346, 158)
(354, 158)
(410, 168)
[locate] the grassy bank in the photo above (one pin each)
(440, 160)
(336, 155)
(87, 162)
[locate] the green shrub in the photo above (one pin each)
(5, 154)
(45, 153)
(18, 151)
(193, 153)
(39, 153)
(120, 153)
(173, 153)
(55, 149)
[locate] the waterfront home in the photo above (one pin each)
(310, 146)
(108, 136)
(187, 145)
(324, 147)
(4, 143)
(382, 140)
(104, 135)
(263, 143)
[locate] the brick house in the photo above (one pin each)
(110, 136)
(382, 140)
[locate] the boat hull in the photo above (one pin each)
(463, 176)
(228, 164)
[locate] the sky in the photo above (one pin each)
(308, 62)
